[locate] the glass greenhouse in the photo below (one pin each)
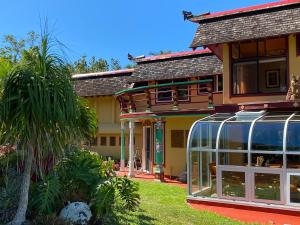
(247, 156)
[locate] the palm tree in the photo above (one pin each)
(40, 112)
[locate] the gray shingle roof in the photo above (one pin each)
(253, 24)
(178, 65)
(103, 83)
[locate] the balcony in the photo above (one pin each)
(170, 97)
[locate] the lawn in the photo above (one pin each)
(164, 204)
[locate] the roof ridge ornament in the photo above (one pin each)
(187, 15)
(133, 58)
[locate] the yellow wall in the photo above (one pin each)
(175, 158)
(294, 60)
(108, 117)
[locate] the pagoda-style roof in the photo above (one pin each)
(102, 83)
(262, 21)
(176, 66)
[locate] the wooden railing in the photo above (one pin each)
(181, 95)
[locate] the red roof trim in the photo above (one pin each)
(250, 8)
(174, 55)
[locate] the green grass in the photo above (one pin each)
(164, 204)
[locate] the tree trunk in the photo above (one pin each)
(20, 216)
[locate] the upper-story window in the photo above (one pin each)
(217, 83)
(259, 66)
(166, 94)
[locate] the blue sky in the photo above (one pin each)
(112, 28)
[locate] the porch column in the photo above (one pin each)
(159, 169)
(122, 146)
(131, 149)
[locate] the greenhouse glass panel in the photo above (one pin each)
(234, 135)
(268, 136)
(293, 137)
(208, 135)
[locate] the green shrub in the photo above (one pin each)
(84, 176)
(117, 192)
(46, 195)
(49, 220)
(9, 190)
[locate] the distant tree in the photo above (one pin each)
(80, 65)
(13, 47)
(94, 65)
(130, 66)
(98, 65)
(161, 52)
(115, 64)
(5, 66)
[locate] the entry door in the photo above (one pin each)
(293, 189)
(147, 159)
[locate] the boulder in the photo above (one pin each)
(77, 213)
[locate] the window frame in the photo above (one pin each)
(257, 59)
(104, 137)
(172, 94)
(110, 141)
(215, 87)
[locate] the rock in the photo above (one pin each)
(77, 213)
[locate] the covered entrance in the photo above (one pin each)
(248, 156)
(147, 152)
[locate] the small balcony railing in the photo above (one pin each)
(188, 95)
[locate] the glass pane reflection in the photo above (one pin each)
(293, 137)
(295, 188)
(234, 135)
(233, 184)
(268, 136)
(267, 186)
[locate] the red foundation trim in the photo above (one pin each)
(289, 212)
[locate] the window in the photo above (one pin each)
(112, 141)
(183, 91)
(203, 87)
(217, 83)
(103, 141)
(166, 94)
(259, 66)
(177, 138)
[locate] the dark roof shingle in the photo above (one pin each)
(261, 23)
(104, 83)
(199, 63)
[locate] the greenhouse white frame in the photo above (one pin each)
(265, 174)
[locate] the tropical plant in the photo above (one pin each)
(40, 112)
(46, 195)
(114, 193)
(49, 220)
(84, 176)
(79, 173)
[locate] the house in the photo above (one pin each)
(168, 94)
(144, 115)
(251, 154)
